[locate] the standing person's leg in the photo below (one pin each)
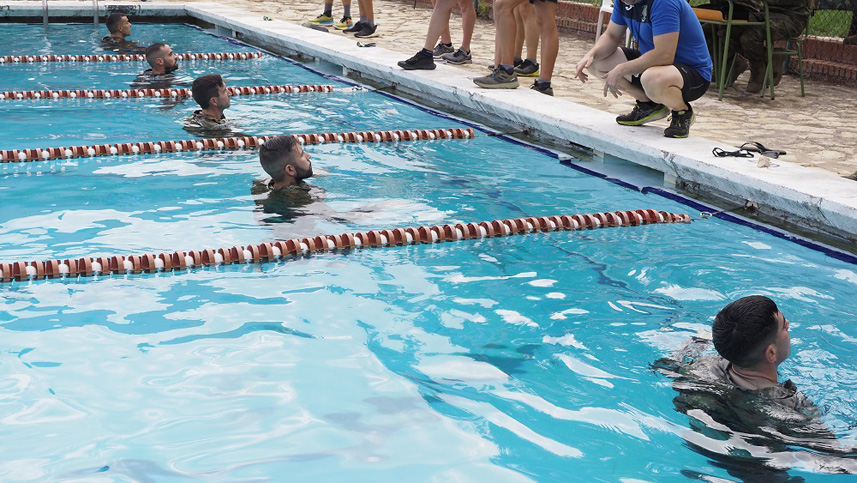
(346, 21)
(520, 32)
(545, 11)
(445, 44)
(504, 76)
(326, 17)
(361, 22)
(468, 21)
(367, 11)
(528, 67)
(437, 24)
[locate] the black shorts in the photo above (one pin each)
(534, 1)
(695, 86)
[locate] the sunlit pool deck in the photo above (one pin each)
(814, 199)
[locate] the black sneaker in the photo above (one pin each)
(421, 61)
(680, 122)
(642, 113)
(441, 49)
(528, 68)
(355, 28)
(542, 86)
(367, 32)
(460, 56)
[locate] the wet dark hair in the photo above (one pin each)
(206, 87)
(152, 52)
(743, 328)
(275, 154)
(113, 20)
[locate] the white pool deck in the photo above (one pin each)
(812, 198)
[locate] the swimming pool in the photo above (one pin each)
(506, 358)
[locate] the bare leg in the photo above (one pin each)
(531, 32)
(519, 29)
(439, 22)
(546, 18)
(367, 11)
(663, 85)
(600, 67)
(505, 30)
(468, 21)
(445, 37)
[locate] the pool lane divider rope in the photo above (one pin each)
(218, 144)
(32, 59)
(156, 93)
(267, 252)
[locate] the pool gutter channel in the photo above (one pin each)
(816, 201)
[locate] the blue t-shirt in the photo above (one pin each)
(648, 18)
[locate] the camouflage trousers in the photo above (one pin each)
(751, 40)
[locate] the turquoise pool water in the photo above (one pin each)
(510, 359)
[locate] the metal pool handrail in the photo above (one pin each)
(266, 252)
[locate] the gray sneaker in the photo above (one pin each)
(460, 56)
(441, 49)
(499, 79)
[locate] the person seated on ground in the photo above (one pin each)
(788, 19)
(163, 62)
(210, 92)
(439, 29)
(504, 75)
(671, 69)
(365, 27)
(326, 17)
(736, 395)
(119, 28)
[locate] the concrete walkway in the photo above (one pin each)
(817, 130)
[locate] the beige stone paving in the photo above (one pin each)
(817, 130)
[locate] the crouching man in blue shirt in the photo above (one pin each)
(671, 69)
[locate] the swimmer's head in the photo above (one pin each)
(118, 24)
(284, 159)
(751, 332)
(162, 58)
(210, 90)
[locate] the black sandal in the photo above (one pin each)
(756, 147)
(741, 153)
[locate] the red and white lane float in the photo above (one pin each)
(158, 93)
(218, 144)
(32, 59)
(266, 252)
